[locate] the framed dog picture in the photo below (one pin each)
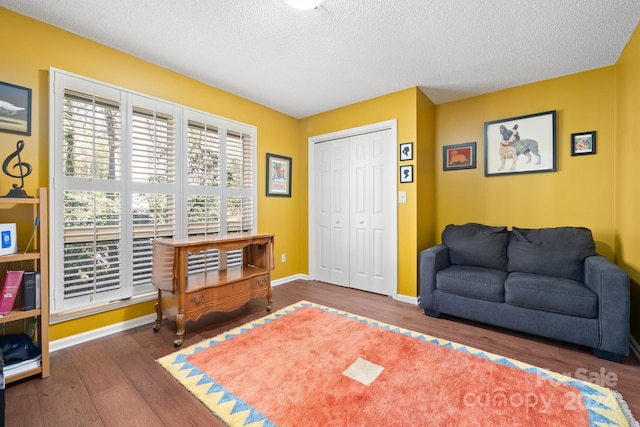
(523, 144)
(583, 143)
(459, 156)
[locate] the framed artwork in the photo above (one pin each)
(406, 151)
(406, 173)
(521, 144)
(15, 109)
(583, 143)
(459, 156)
(278, 175)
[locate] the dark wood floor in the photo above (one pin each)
(115, 381)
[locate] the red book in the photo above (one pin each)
(10, 289)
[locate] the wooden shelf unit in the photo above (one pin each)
(37, 259)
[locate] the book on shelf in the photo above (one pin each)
(23, 366)
(10, 288)
(37, 289)
(30, 280)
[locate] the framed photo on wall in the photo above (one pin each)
(278, 175)
(583, 143)
(406, 151)
(15, 109)
(406, 173)
(521, 144)
(459, 156)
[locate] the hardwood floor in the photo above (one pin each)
(115, 381)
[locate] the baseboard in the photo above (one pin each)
(408, 299)
(93, 334)
(289, 279)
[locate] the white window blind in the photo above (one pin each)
(92, 244)
(127, 169)
(203, 212)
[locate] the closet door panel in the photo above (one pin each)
(340, 212)
(360, 253)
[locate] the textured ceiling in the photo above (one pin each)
(306, 62)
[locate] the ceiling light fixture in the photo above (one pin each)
(304, 4)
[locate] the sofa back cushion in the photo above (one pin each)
(477, 245)
(556, 252)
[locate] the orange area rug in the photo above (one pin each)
(310, 365)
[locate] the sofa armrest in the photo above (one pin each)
(611, 284)
(432, 260)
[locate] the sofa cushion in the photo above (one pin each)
(552, 294)
(472, 282)
(556, 252)
(477, 245)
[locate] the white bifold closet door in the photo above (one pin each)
(332, 169)
(355, 216)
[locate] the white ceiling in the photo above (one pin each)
(306, 62)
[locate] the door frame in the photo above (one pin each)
(346, 133)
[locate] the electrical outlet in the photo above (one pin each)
(283, 257)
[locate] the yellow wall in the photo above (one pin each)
(32, 47)
(579, 193)
(426, 172)
(627, 173)
(401, 106)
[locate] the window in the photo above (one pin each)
(127, 169)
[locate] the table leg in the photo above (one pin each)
(180, 330)
(158, 307)
(269, 298)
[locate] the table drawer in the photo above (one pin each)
(260, 282)
(229, 295)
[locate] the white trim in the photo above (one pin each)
(408, 299)
(113, 305)
(93, 334)
(289, 279)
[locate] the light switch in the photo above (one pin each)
(402, 197)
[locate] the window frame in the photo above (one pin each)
(129, 100)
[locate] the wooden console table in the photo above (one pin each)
(184, 297)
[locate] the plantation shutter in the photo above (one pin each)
(203, 177)
(127, 169)
(92, 238)
(153, 145)
(239, 180)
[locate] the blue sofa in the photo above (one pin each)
(548, 282)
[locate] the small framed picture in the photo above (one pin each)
(278, 175)
(406, 173)
(406, 151)
(15, 109)
(459, 156)
(583, 143)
